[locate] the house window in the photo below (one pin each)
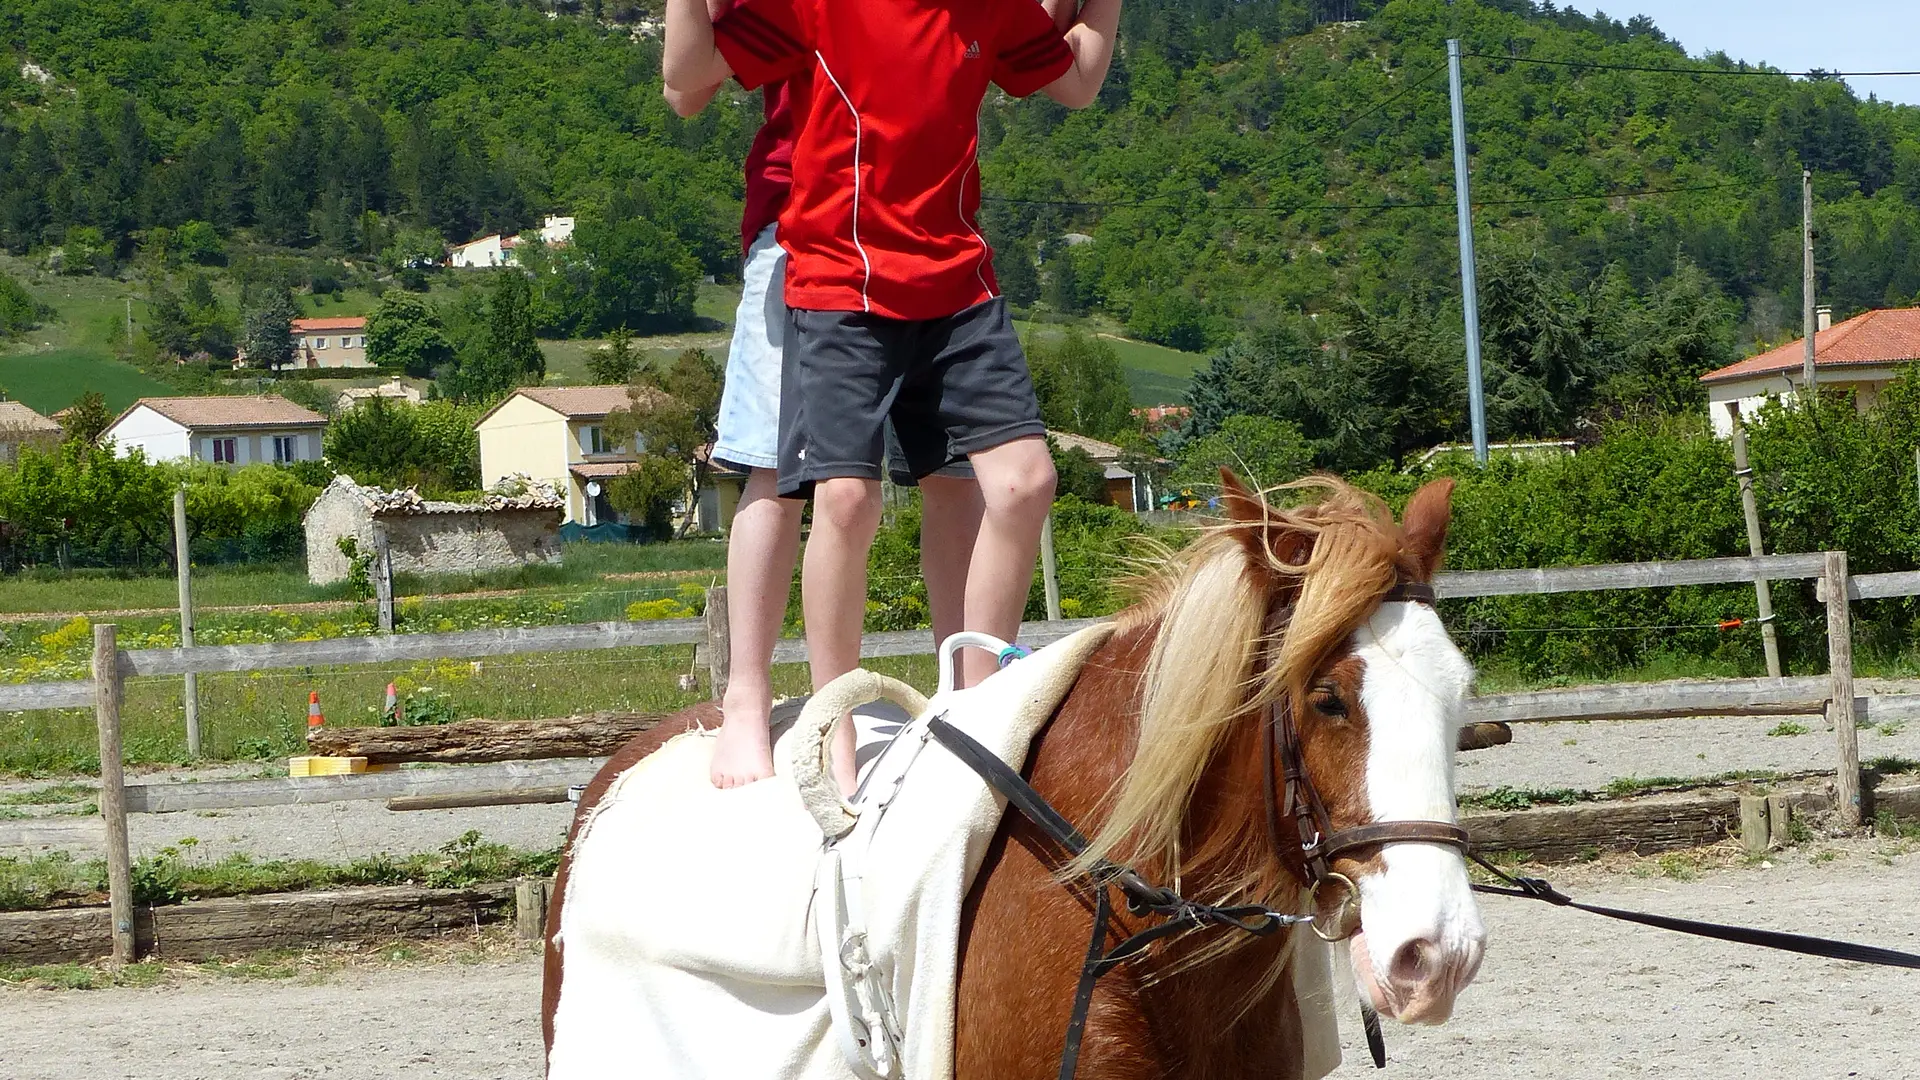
(320, 343)
(597, 442)
(223, 451)
(283, 449)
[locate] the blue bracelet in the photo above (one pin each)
(1014, 652)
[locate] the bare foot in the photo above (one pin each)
(844, 768)
(743, 752)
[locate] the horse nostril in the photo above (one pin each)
(1414, 963)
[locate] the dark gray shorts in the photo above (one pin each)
(952, 387)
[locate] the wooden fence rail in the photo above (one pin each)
(112, 667)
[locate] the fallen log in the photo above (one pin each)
(227, 927)
(476, 741)
(529, 797)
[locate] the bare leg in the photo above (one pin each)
(760, 555)
(1016, 486)
(833, 590)
(949, 522)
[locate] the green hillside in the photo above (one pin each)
(1258, 182)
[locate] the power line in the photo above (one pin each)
(1427, 204)
(1289, 159)
(1738, 72)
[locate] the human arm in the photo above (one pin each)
(1062, 12)
(686, 103)
(690, 61)
(1091, 42)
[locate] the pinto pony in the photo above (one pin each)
(1160, 752)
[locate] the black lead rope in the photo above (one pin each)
(1177, 912)
(1533, 888)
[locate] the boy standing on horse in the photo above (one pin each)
(892, 305)
(766, 529)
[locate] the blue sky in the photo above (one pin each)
(1795, 35)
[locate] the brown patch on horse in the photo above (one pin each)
(704, 715)
(1024, 934)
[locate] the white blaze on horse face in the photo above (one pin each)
(1422, 929)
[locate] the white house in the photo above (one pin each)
(1862, 355)
(226, 430)
(497, 249)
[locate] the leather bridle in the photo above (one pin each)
(1315, 838)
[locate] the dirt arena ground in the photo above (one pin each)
(1562, 994)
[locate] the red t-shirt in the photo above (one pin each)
(769, 164)
(885, 181)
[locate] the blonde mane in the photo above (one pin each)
(1211, 601)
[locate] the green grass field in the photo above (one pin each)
(567, 360)
(584, 565)
(1156, 374)
(76, 351)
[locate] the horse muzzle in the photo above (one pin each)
(1420, 939)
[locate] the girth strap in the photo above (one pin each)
(1533, 888)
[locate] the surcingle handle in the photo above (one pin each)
(810, 757)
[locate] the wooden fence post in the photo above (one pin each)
(183, 573)
(1049, 570)
(108, 689)
(1756, 546)
(383, 578)
(719, 644)
(530, 908)
(1846, 800)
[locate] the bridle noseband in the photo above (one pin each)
(1319, 843)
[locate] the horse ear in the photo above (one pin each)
(1264, 536)
(1242, 504)
(1423, 527)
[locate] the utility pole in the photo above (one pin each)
(1469, 275)
(1806, 284)
(1762, 590)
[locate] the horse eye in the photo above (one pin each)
(1326, 701)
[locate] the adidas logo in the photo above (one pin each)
(973, 51)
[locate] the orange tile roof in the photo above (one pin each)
(253, 410)
(349, 323)
(1889, 336)
(573, 402)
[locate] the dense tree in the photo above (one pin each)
(671, 421)
(268, 330)
(1260, 449)
(510, 326)
(431, 446)
(637, 274)
(18, 309)
(404, 334)
(1080, 384)
(615, 363)
(87, 418)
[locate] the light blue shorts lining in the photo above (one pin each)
(749, 426)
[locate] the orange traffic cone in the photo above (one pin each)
(314, 719)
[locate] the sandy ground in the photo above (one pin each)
(1562, 994)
